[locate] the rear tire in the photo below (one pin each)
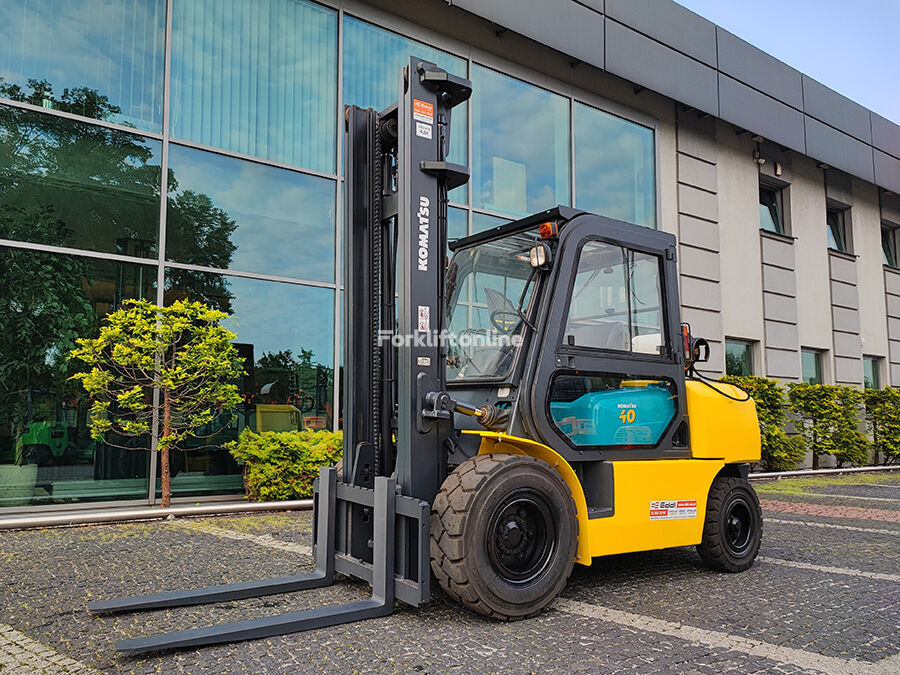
(732, 531)
(504, 533)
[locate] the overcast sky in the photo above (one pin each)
(852, 46)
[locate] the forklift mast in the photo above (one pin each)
(395, 242)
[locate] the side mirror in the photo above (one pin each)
(699, 350)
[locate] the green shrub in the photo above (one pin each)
(779, 452)
(883, 409)
(829, 418)
(282, 465)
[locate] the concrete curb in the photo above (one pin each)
(821, 472)
(95, 516)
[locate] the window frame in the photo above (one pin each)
(778, 191)
(876, 362)
(841, 215)
(749, 347)
(665, 352)
(819, 361)
(889, 231)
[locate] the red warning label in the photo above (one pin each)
(423, 111)
(673, 509)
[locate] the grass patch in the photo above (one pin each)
(800, 486)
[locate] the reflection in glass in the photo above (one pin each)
(94, 58)
(373, 58)
(231, 213)
(770, 211)
(738, 358)
(457, 227)
(256, 78)
(46, 452)
(614, 167)
(521, 145)
(811, 365)
(482, 222)
(71, 184)
(285, 333)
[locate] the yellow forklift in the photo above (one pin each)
(530, 405)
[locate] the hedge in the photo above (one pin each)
(779, 452)
(828, 420)
(282, 465)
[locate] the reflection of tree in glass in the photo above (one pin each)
(101, 182)
(43, 309)
(194, 222)
(72, 184)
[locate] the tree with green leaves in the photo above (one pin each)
(829, 418)
(883, 412)
(180, 351)
(780, 452)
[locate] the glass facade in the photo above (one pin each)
(95, 58)
(615, 168)
(47, 455)
(223, 184)
(521, 144)
(258, 79)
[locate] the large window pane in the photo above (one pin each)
(616, 301)
(285, 333)
(95, 58)
(46, 452)
(614, 167)
(259, 78)
(71, 184)
(373, 58)
(520, 135)
(232, 213)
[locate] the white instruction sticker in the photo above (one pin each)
(675, 509)
(423, 130)
(424, 318)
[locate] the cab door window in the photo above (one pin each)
(616, 301)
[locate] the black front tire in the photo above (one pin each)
(503, 535)
(732, 531)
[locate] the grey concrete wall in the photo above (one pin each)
(845, 319)
(698, 232)
(892, 305)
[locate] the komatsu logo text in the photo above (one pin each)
(424, 226)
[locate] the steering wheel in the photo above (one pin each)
(505, 325)
(464, 350)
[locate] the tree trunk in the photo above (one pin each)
(815, 460)
(164, 456)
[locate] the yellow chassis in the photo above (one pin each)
(659, 503)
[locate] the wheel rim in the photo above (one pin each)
(521, 537)
(738, 527)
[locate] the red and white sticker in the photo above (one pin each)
(423, 111)
(424, 318)
(673, 509)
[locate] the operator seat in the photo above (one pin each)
(603, 335)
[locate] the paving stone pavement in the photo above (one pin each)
(823, 598)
